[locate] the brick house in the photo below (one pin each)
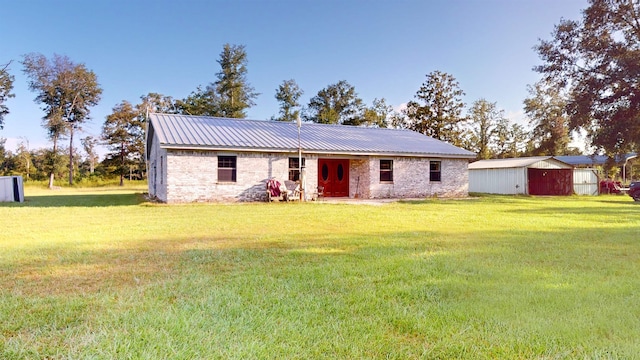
(200, 158)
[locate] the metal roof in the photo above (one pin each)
(594, 159)
(214, 133)
(512, 163)
(583, 159)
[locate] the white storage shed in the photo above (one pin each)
(540, 175)
(585, 181)
(11, 189)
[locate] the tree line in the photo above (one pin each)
(589, 80)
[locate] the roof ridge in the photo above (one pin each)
(278, 122)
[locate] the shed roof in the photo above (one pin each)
(590, 160)
(583, 159)
(214, 133)
(514, 162)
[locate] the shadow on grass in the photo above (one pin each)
(64, 271)
(408, 284)
(82, 200)
(602, 213)
(502, 295)
(626, 201)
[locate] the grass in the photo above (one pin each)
(100, 273)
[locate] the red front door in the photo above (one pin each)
(333, 174)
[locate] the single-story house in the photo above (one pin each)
(202, 158)
(540, 175)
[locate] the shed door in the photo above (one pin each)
(16, 189)
(333, 174)
(550, 181)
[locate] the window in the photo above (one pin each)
(434, 171)
(226, 168)
(294, 169)
(386, 170)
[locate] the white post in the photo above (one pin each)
(302, 189)
(303, 183)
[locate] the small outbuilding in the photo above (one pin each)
(540, 175)
(11, 189)
(586, 181)
(625, 162)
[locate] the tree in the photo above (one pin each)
(123, 131)
(204, 102)
(157, 103)
(23, 159)
(235, 93)
(546, 111)
(510, 139)
(6, 85)
(46, 162)
(437, 111)
(230, 95)
(89, 145)
(596, 60)
(484, 119)
(152, 102)
(67, 91)
(287, 95)
(6, 158)
(399, 120)
(378, 115)
(336, 104)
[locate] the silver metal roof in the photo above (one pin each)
(205, 132)
(583, 159)
(514, 162)
(595, 159)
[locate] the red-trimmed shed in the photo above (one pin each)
(540, 175)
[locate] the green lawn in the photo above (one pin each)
(102, 274)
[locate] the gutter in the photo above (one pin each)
(316, 152)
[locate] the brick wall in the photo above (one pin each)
(455, 179)
(360, 178)
(411, 179)
(178, 176)
(193, 176)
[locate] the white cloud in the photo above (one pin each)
(400, 107)
(518, 117)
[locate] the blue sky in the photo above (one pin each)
(383, 48)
